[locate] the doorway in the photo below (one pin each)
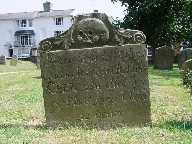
(10, 52)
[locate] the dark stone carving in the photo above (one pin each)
(98, 87)
(91, 30)
(164, 58)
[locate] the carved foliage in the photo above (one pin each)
(91, 30)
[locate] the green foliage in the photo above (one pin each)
(163, 22)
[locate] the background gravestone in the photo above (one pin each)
(164, 58)
(184, 55)
(2, 60)
(187, 65)
(14, 60)
(100, 87)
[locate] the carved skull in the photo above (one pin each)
(92, 31)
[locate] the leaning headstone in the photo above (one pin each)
(2, 60)
(164, 58)
(184, 55)
(14, 60)
(94, 86)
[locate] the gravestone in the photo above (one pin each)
(14, 60)
(164, 58)
(95, 86)
(187, 65)
(2, 60)
(184, 55)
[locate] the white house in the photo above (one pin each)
(20, 32)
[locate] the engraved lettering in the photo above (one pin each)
(97, 85)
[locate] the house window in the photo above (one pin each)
(58, 21)
(56, 33)
(30, 22)
(24, 40)
(25, 23)
(23, 51)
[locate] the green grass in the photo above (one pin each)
(22, 118)
(21, 66)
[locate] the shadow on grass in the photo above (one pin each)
(176, 125)
(37, 77)
(15, 126)
(68, 127)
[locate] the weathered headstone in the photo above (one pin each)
(164, 58)
(187, 65)
(2, 60)
(98, 86)
(14, 60)
(184, 55)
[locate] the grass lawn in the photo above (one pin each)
(22, 66)
(22, 118)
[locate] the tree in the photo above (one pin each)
(162, 21)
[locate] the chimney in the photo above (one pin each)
(47, 6)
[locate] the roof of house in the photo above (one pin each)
(36, 14)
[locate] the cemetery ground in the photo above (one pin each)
(22, 118)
